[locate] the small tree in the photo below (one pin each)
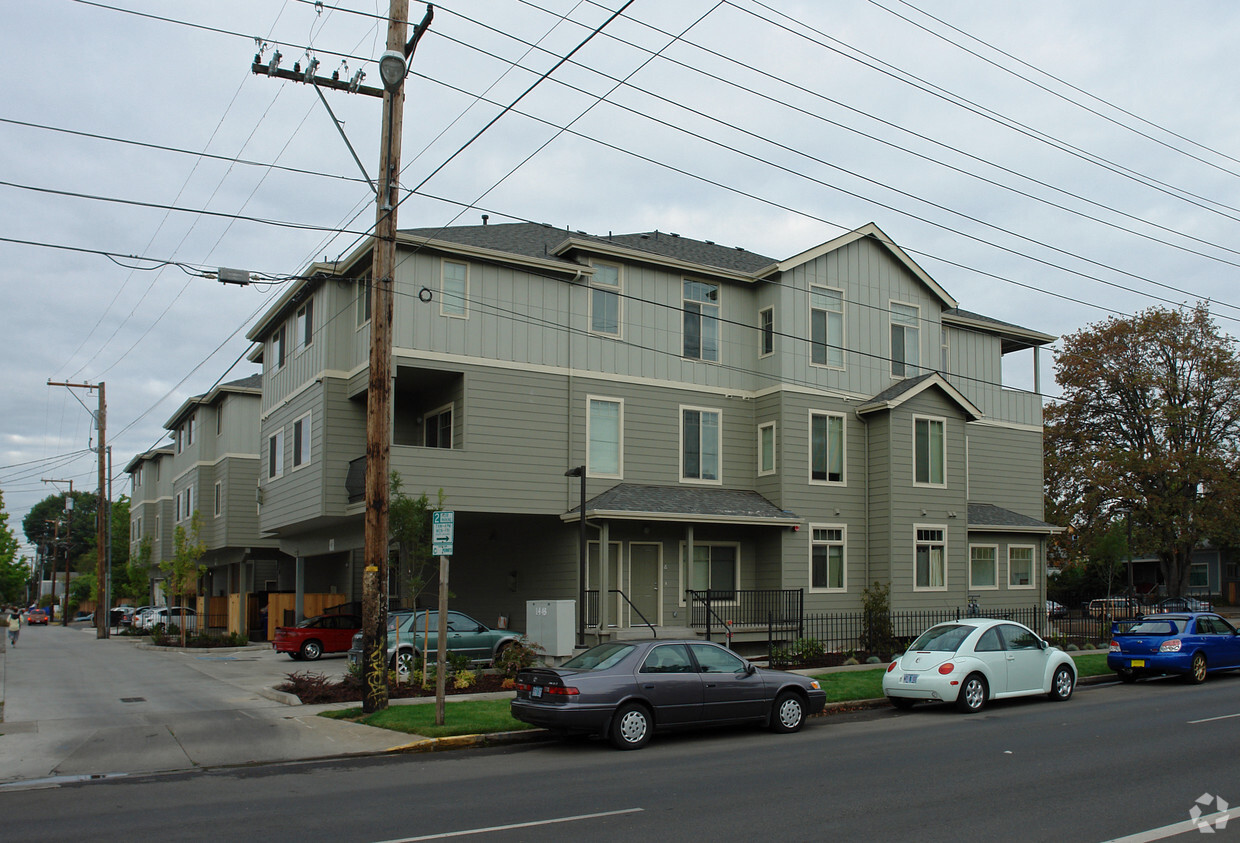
(409, 525)
(182, 570)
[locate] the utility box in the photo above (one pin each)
(552, 625)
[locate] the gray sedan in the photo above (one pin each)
(626, 690)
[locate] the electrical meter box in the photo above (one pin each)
(552, 625)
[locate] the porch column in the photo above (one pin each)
(243, 601)
(603, 576)
(299, 587)
(1037, 370)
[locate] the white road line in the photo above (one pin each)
(1211, 719)
(1176, 828)
(535, 824)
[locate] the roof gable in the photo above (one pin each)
(896, 394)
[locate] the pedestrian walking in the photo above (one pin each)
(15, 627)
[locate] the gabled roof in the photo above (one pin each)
(683, 503)
(896, 394)
(1014, 337)
(145, 456)
(987, 517)
(867, 230)
(250, 385)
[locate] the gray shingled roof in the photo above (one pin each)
(536, 240)
(898, 389)
(251, 382)
(988, 515)
(685, 502)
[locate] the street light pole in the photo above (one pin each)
(580, 471)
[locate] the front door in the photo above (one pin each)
(644, 582)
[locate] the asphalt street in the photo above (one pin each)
(78, 706)
(1116, 760)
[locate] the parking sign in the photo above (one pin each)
(443, 528)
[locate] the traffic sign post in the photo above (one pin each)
(443, 530)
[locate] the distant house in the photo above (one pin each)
(747, 425)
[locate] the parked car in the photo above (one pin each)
(37, 617)
(121, 616)
(970, 662)
(161, 617)
(1055, 610)
(1114, 607)
(329, 633)
(625, 691)
(1183, 604)
(406, 633)
(1193, 644)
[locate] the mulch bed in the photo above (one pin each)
(315, 688)
(833, 660)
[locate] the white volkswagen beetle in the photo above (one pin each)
(971, 661)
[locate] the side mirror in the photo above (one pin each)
(1041, 644)
(750, 669)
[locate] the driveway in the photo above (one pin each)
(76, 706)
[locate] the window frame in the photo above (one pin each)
(903, 362)
(444, 308)
(843, 481)
(842, 544)
(219, 498)
(994, 562)
(189, 429)
(616, 291)
(304, 432)
(701, 411)
(275, 455)
(940, 542)
(930, 483)
(449, 410)
(364, 301)
(591, 469)
(696, 307)
(766, 331)
(686, 573)
(1033, 563)
(822, 290)
(1195, 566)
(303, 326)
(279, 347)
(773, 427)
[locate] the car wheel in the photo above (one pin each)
(631, 726)
(500, 651)
(1197, 671)
(1127, 675)
(788, 715)
(402, 663)
(1062, 684)
(902, 703)
(972, 697)
(311, 650)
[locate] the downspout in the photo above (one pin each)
(867, 502)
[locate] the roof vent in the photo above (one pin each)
(739, 248)
(579, 231)
(674, 234)
(709, 242)
(645, 236)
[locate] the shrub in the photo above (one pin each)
(878, 636)
(519, 654)
(463, 679)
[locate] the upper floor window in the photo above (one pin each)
(454, 289)
(944, 349)
(275, 455)
(929, 452)
(930, 559)
(701, 304)
(137, 476)
(700, 444)
(437, 428)
(905, 342)
(363, 301)
(605, 432)
(826, 317)
(304, 325)
(301, 441)
(766, 328)
(189, 430)
(605, 300)
(219, 419)
(766, 448)
(277, 347)
(219, 498)
(826, 436)
(826, 563)
(1020, 567)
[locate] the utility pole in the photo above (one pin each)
(64, 610)
(393, 66)
(101, 422)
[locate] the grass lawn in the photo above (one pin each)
(465, 717)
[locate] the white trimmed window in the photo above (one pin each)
(303, 331)
(219, 498)
(363, 301)
(826, 322)
(454, 289)
(944, 349)
(826, 448)
(766, 328)
(275, 455)
(701, 325)
(701, 438)
(1020, 566)
(766, 448)
(189, 430)
(905, 339)
(605, 307)
(1199, 575)
(930, 558)
(827, 569)
(929, 452)
(437, 428)
(301, 441)
(983, 566)
(605, 435)
(219, 419)
(278, 348)
(715, 568)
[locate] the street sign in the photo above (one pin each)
(443, 529)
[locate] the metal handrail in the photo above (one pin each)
(592, 611)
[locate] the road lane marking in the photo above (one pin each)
(1210, 719)
(534, 824)
(1176, 828)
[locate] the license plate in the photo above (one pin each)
(909, 679)
(536, 691)
(1138, 663)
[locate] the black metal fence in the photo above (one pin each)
(773, 609)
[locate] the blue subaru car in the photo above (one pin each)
(1192, 644)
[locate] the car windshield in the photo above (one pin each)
(599, 658)
(1154, 628)
(946, 638)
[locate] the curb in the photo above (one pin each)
(474, 741)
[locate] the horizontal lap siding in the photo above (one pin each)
(1005, 468)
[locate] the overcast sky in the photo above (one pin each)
(1049, 164)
